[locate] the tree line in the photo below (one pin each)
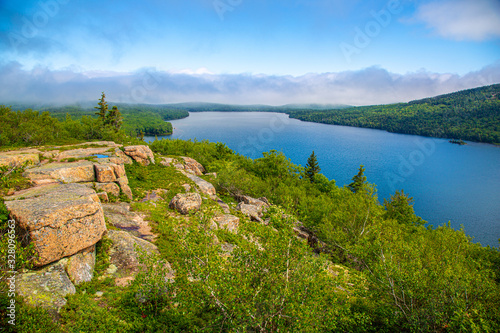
(472, 114)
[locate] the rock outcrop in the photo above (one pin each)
(112, 188)
(80, 266)
(252, 211)
(252, 207)
(125, 255)
(19, 158)
(47, 287)
(188, 165)
(204, 186)
(120, 216)
(76, 172)
(192, 166)
(105, 173)
(185, 203)
(141, 154)
(227, 221)
(60, 220)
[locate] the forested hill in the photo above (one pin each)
(472, 114)
(149, 119)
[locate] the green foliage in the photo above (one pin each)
(365, 267)
(400, 208)
(472, 114)
(431, 279)
(83, 314)
(11, 177)
(358, 181)
(151, 119)
(267, 280)
(152, 177)
(114, 118)
(420, 279)
(29, 319)
(32, 128)
(312, 167)
(102, 109)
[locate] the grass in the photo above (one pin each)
(153, 177)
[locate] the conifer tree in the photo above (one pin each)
(312, 167)
(358, 181)
(114, 118)
(102, 109)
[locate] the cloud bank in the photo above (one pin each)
(372, 85)
(462, 19)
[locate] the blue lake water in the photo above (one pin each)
(449, 182)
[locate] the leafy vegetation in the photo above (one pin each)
(150, 119)
(32, 128)
(365, 267)
(472, 114)
(406, 267)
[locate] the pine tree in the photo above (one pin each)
(102, 108)
(312, 167)
(400, 208)
(114, 118)
(358, 181)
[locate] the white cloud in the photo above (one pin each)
(364, 87)
(462, 19)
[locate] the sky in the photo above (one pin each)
(246, 52)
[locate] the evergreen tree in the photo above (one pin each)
(114, 118)
(358, 181)
(102, 109)
(400, 208)
(312, 167)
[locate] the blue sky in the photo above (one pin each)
(242, 51)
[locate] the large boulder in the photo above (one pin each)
(262, 203)
(105, 173)
(204, 186)
(185, 203)
(141, 154)
(227, 221)
(80, 266)
(77, 172)
(125, 254)
(252, 211)
(121, 157)
(60, 220)
(108, 188)
(192, 166)
(46, 287)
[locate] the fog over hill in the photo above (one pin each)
(373, 85)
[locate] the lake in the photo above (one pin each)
(449, 182)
